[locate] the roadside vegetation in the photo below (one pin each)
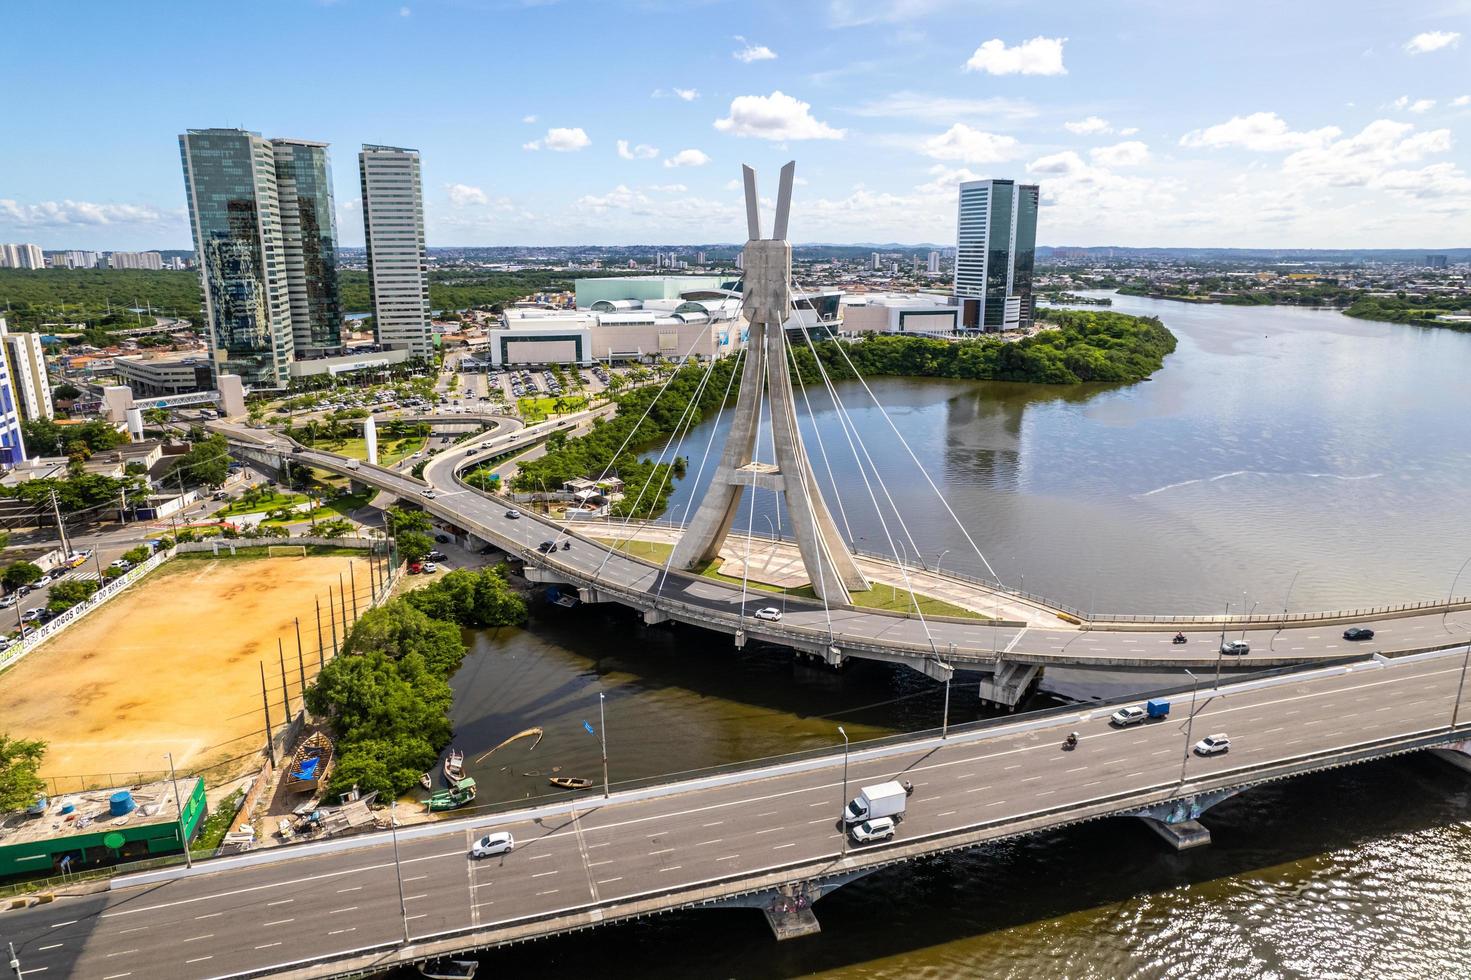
(1419, 312)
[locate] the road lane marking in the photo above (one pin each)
(543, 874)
(948, 813)
(410, 898)
(42, 949)
(267, 945)
(609, 881)
(552, 892)
(207, 915)
(1079, 769)
(666, 850)
(707, 843)
(672, 867)
(716, 823)
(116, 976)
(768, 813)
(143, 928)
(599, 864)
(122, 952)
(411, 918)
(780, 846)
(338, 932)
(284, 901)
(406, 880)
(538, 857)
(194, 939)
(770, 830)
(68, 922)
(354, 888)
(278, 922)
(198, 959)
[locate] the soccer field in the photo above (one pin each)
(172, 665)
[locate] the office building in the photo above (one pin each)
(12, 441)
(995, 246)
(155, 375)
(134, 260)
(234, 212)
(933, 265)
(398, 263)
(26, 362)
(22, 256)
(309, 229)
(875, 262)
(1437, 261)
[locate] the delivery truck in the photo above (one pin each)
(872, 802)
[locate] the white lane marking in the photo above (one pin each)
(666, 850)
(195, 939)
(116, 976)
(715, 823)
(267, 945)
(728, 857)
(948, 813)
(770, 830)
(780, 846)
(406, 880)
(68, 922)
(338, 932)
(609, 881)
(552, 892)
(350, 908)
(821, 803)
(143, 928)
(354, 888)
(543, 874)
(707, 843)
(411, 918)
(208, 915)
(819, 820)
(1016, 639)
(122, 952)
(42, 949)
(672, 867)
(599, 864)
(284, 901)
(198, 959)
(410, 898)
(278, 922)
(1079, 769)
(978, 789)
(538, 857)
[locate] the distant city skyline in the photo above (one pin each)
(1256, 125)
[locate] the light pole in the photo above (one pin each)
(603, 734)
(1455, 711)
(940, 559)
(1285, 600)
(843, 812)
(403, 906)
(183, 837)
(1189, 724)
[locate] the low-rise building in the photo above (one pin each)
(165, 374)
(350, 360)
(914, 313)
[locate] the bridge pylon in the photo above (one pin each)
(766, 302)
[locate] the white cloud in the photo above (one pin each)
(945, 179)
(621, 196)
(1432, 41)
(855, 13)
(775, 117)
(1416, 106)
(68, 212)
(528, 119)
(461, 195)
(1039, 56)
(940, 108)
(1088, 127)
(642, 151)
(687, 158)
(961, 142)
(1264, 132)
(1461, 100)
(1129, 131)
(1436, 181)
(668, 188)
(752, 52)
(687, 94)
(561, 139)
(1361, 160)
(404, 11)
(1130, 153)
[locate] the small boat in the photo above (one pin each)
(309, 764)
(449, 969)
(454, 767)
(449, 799)
(426, 780)
(570, 782)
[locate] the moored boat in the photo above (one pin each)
(570, 782)
(426, 780)
(454, 767)
(449, 799)
(309, 764)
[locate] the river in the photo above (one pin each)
(1275, 443)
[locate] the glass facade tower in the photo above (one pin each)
(995, 248)
(398, 262)
(309, 231)
(234, 213)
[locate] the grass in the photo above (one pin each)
(217, 824)
(390, 451)
(269, 502)
(538, 408)
(878, 597)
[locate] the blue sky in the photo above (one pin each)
(1146, 122)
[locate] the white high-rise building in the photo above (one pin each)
(934, 263)
(26, 363)
(12, 440)
(398, 262)
(134, 260)
(995, 246)
(876, 265)
(22, 256)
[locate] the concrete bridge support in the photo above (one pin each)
(1178, 821)
(788, 909)
(1008, 684)
(1457, 754)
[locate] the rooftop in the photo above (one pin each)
(90, 813)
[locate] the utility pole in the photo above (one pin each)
(352, 582)
(321, 647)
(1189, 725)
(285, 691)
(183, 837)
(332, 614)
(266, 703)
(403, 905)
(1456, 711)
(342, 598)
(60, 528)
(299, 656)
(843, 811)
(301, 669)
(603, 734)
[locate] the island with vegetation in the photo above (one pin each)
(1423, 312)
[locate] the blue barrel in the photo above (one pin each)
(120, 804)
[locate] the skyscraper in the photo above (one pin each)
(995, 247)
(934, 262)
(12, 441)
(309, 229)
(22, 256)
(398, 263)
(25, 362)
(234, 212)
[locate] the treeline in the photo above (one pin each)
(1421, 312)
(598, 452)
(37, 296)
(387, 694)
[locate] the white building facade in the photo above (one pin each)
(26, 362)
(12, 440)
(995, 245)
(398, 262)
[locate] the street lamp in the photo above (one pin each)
(183, 837)
(940, 559)
(1285, 600)
(603, 734)
(843, 812)
(1189, 724)
(403, 906)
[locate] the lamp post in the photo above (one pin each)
(603, 735)
(403, 906)
(1189, 724)
(1456, 710)
(1285, 600)
(183, 836)
(940, 559)
(843, 811)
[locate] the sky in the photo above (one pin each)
(1308, 124)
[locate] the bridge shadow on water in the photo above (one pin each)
(1098, 899)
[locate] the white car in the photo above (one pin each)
(31, 615)
(770, 613)
(44, 581)
(492, 844)
(428, 493)
(1213, 744)
(429, 568)
(122, 563)
(880, 828)
(513, 515)
(1131, 715)
(7, 601)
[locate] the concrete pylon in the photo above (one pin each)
(766, 303)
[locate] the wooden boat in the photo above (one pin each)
(426, 780)
(309, 764)
(570, 782)
(454, 767)
(526, 734)
(449, 799)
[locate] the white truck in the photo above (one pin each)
(872, 802)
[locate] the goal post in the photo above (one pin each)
(285, 550)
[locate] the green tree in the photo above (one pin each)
(337, 527)
(414, 545)
(20, 760)
(65, 594)
(65, 392)
(19, 573)
(139, 554)
(399, 519)
(206, 462)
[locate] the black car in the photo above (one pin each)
(442, 538)
(547, 547)
(1358, 633)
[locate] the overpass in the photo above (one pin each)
(1007, 653)
(762, 837)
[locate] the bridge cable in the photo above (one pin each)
(761, 395)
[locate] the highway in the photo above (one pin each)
(593, 861)
(858, 632)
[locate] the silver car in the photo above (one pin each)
(492, 844)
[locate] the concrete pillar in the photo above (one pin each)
(232, 395)
(370, 438)
(116, 400)
(1178, 821)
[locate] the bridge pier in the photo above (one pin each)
(1177, 821)
(1008, 684)
(788, 909)
(652, 617)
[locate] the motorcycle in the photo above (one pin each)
(1071, 742)
(1179, 638)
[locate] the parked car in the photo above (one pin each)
(880, 828)
(7, 601)
(1358, 633)
(1235, 648)
(45, 580)
(122, 563)
(1131, 715)
(416, 567)
(513, 515)
(430, 568)
(1213, 744)
(769, 613)
(30, 615)
(436, 556)
(442, 538)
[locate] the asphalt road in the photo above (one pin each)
(991, 780)
(956, 642)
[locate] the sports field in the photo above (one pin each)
(173, 666)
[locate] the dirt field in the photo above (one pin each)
(172, 666)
